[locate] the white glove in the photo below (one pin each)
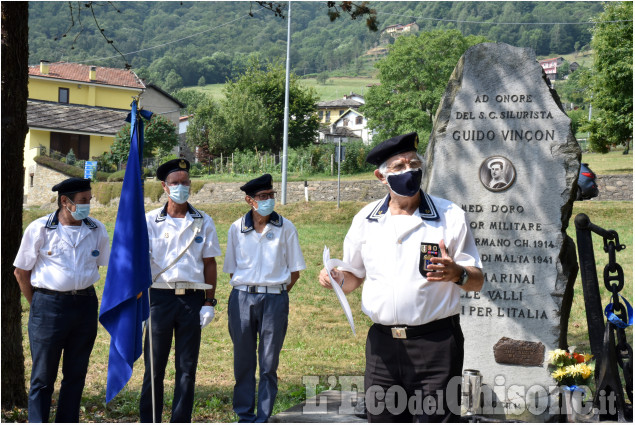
(207, 314)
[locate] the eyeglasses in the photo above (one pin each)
(400, 166)
(264, 196)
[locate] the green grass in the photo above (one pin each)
(319, 341)
(613, 162)
(335, 87)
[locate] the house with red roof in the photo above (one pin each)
(82, 107)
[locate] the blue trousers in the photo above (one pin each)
(60, 323)
(256, 322)
(176, 315)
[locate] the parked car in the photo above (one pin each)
(587, 188)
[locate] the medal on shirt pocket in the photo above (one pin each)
(428, 250)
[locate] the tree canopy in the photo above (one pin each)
(160, 137)
(251, 116)
(413, 77)
(611, 88)
(214, 40)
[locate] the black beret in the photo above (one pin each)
(72, 185)
(180, 164)
(391, 147)
(254, 186)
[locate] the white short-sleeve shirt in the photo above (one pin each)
(386, 249)
(62, 260)
(170, 236)
(266, 258)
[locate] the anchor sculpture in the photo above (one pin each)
(609, 402)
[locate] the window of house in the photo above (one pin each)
(320, 115)
(345, 123)
(358, 120)
(64, 142)
(342, 111)
(31, 180)
(328, 116)
(63, 95)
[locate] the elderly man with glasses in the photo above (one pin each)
(264, 260)
(415, 255)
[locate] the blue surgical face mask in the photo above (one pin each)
(405, 183)
(266, 207)
(179, 193)
(81, 211)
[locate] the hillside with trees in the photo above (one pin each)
(180, 44)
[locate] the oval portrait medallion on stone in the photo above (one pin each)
(497, 173)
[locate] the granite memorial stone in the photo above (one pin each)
(502, 148)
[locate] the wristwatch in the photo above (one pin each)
(463, 279)
(212, 301)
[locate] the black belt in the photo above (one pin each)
(85, 292)
(407, 332)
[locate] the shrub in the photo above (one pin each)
(67, 169)
(70, 157)
(117, 176)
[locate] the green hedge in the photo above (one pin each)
(104, 192)
(67, 169)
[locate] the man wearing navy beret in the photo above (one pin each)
(415, 253)
(264, 260)
(56, 267)
(183, 247)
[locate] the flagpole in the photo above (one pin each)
(139, 128)
(285, 132)
(154, 410)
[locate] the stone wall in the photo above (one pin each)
(616, 187)
(358, 190)
(44, 178)
(612, 188)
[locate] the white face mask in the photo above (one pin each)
(81, 211)
(179, 193)
(265, 207)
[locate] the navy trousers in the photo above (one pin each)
(60, 324)
(257, 322)
(176, 315)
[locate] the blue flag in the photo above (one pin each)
(124, 303)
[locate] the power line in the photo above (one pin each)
(500, 23)
(175, 41)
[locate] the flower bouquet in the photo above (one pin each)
(571, 369)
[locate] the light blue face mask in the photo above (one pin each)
(266, 207)
(179, 193)
(81, 211)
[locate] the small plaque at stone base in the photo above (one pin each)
(517, 352)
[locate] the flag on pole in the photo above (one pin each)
(124, 303)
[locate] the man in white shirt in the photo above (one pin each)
(56, 267)
(415, 254)
(183, 247)
(264, 260)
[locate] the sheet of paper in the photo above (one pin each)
(329, 264)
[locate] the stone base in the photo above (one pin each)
(328, 406)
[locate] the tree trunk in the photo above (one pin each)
(15, 78)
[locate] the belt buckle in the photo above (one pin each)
(398, 333)
(179, 291)
(252, 289)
